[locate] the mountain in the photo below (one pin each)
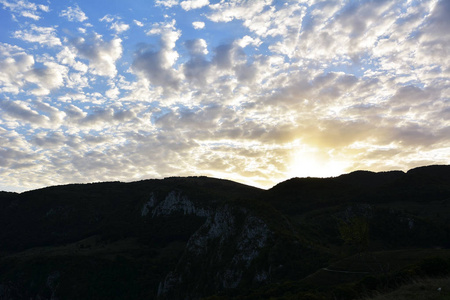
(206, 238)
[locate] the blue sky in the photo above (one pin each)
(252, 91)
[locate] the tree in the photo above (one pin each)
(355, 232)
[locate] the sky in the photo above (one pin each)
(252, 91)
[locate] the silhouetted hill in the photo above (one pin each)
(195, 237)
(441, 172)
(367, 179)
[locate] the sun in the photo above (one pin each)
(313, 162)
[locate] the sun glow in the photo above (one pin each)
(312, 162)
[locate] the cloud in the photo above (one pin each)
(138, 23)
(227, 55)
(226, 11)
(14, 159)
(438, 22)
(410, 95)
(198, 25)
(44, 7)
(98, 118)
(113, 93)
(21, 112)
(25, 9)
(74, 114)
(193, 4)
(49, 140)
(166, 3)
(196, 47)
(246, 73)
(42, 35)
(74, 14)
(265, 20)
(55, 115)
(117, 26)
(157, 65)
(248, 40)
(102, 55)
(68, 56)
(168, 33)
(47, 78)
(30, 15)
(197, 69)
(434, 37)
(107, 18)
(14, 63)
(228, 60)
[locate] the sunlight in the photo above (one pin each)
(311, 162)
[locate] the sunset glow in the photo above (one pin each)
(252, 91)
(313, 162)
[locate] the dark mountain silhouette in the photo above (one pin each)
(200, 237)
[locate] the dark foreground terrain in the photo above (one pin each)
(347, 237)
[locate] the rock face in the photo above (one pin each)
(148, 205)
(220, 254)
(17, 290)
(175, 202)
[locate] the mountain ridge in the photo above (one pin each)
(442, 169)
(197, 237)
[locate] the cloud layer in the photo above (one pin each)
(253, 91)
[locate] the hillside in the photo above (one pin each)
(200, 237)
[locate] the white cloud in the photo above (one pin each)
(138, 23)
(157, 66)
(168, 32)
(19, 70)
(197, 47)
(42, 35)
(226, 11)
(55, 115)
(49, 140)
(74, 14)
(25, 8)
(265, 20)
(47, 78)
(435, 37)
(119, 27)
(113, 92)
(198, 25)
(44, 7)
(102, 55)
(14, 63)
(107, 18)
(193, 4)
(74, 113)
(197, 69)
(21, 111)
(67, 56)
(248, 40)
(116, 24)
(166, 3)
(30, 15)
(227, 56)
